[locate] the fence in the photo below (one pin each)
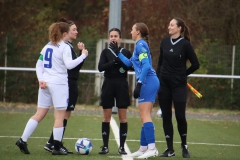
(218, 82)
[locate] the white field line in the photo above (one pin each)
(115, 130)
(132, 140)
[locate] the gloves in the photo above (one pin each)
(114, 47)
(136, 92)
(117, 61)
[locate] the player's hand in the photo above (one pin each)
(85, 51)
(42, 84)
(114, 46)
(81, 45)
(118, 60)
(137, 90)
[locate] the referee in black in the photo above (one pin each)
(115, 87)
(172, 72)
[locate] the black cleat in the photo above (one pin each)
(122, 151)
(104, 150)
(49, 147)
(22, 146)
(167, 153)
(65, 149)
(185, 152)
(61, 151)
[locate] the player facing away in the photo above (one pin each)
(175, 50)
(51, 69)
(146, 88)
(115, 87)
(73, 75)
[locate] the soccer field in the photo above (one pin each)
(207, 139)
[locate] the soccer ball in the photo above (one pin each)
(83, 146)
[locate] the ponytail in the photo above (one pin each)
(184, 30)
(56, 31)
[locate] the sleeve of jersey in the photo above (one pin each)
(193, 60)
(143, 58)
(67, 58)
(160, 59)
(125, 60)
(39, 68)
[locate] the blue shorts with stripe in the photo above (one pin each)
(149, 89)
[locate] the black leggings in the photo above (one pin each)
(180, 108)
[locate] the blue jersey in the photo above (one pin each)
(142, 61)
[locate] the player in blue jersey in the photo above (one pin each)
(73, 75)
(146, 89)
(175, 50)
(51, 69)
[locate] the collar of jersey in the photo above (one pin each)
(173, 43)
(69, 43)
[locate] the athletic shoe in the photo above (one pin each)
(136, 154)
(149, 153)
(122, 151)
(49, 147)
(22, 146)
(104, 150)
(168, 153)
(185, 152)
(61, 151)
(65, 149)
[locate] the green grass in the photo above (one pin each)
(207, 139)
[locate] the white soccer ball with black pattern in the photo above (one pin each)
(83, 146)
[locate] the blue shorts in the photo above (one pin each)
(149, 90)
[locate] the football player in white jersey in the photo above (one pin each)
(73, 76)
(51, 69)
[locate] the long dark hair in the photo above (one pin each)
(143, 28)
(184, 30)
(117, 30)
(66, 21)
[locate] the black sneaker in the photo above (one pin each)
(185, 152)
(49, 147)
(22, 146)
(65, 149)
(104, 150)
(61, 151)
(168, 153)
(122, 151)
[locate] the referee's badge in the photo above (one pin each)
(121, 70)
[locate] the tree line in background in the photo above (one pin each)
(214, 26)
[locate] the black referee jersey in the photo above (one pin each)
(174, 54)
(113, 68)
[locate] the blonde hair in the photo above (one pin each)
(56, 31)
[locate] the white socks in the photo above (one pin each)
(29, 129)
(58, 133)
(151, 146)
(143, 148)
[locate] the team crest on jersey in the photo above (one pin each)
(121, 70)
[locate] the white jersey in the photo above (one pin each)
(54, 57)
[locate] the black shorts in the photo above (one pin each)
(73, 94)
(115, 88)
(173, 87)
